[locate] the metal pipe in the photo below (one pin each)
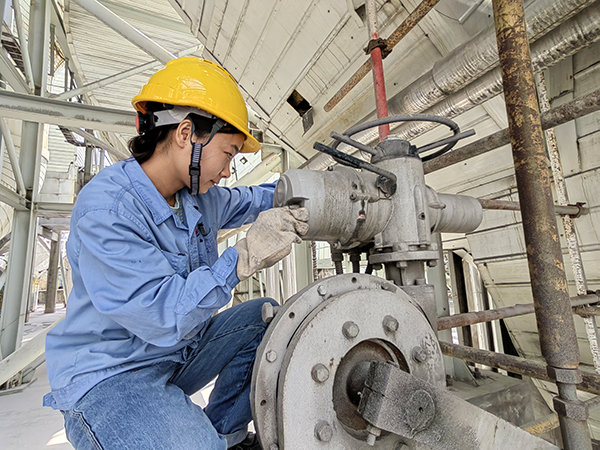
(378, 78)
(556, 327)
(579, 31)
(560, 187)
(533, 369)
(557, 331)
(471, 318)
(130, 33)
(456, 98)
(568, 210)
(575, 109)
(408, 24)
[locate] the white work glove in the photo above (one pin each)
(270, 239)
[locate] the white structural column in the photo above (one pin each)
(22, 247)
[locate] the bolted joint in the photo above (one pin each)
(319, 373)
(419, 354)
(575, 410)
(323, 431)
(271, 356)
(350, 330)
(268, 312)
(390, 324)
(566, 376)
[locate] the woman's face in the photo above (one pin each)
(216, 158)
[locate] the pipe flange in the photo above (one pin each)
(288, 403)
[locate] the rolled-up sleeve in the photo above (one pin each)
(242, 205)
(131, 281)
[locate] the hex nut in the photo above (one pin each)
(390, 324)
(319, 373)
(350, 330)
(419, 354)
(323, 431)
(322, 291)
(268, 312)
(273, 447)
(271, 355)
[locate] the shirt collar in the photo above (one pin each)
(156, 203)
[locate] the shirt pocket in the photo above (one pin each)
(178, 261)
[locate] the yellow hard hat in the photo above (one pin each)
(201, 84)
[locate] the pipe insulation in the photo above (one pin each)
(454, 95)
(573, 35)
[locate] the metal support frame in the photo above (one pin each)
(24, 44)
(130, 33)
(52, 284)
(121, 75)
(554, 318)
(22, 248)
(32, 108)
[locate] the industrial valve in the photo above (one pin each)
(352, 361)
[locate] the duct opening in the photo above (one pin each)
(299, 103)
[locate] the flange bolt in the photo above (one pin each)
(350, 330)
(268, 312)
(390, 324)
(419, 354)
(323, 431)
(271, 355)
(320, 373)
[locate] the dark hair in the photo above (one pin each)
(142, 147)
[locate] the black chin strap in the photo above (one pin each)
(197, 155)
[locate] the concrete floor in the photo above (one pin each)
(25, 423)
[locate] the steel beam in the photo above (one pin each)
(100, 143)
(23, 44)
(12, 155)
(12, 199)
(121, 75)
(68, 114)
(130, 33)
(24, 356)
(556, 327)
(11, 74)
(23, 236)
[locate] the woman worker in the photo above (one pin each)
(140, 336)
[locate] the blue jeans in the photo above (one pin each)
(149, 408)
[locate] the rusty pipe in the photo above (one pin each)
(514, 364)
(570, 210)
(471, 318)
(408, 24)
(556, 327)
(575, 109)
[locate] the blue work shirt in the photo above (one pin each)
(144, 284)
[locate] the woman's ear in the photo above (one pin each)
(183, 133)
